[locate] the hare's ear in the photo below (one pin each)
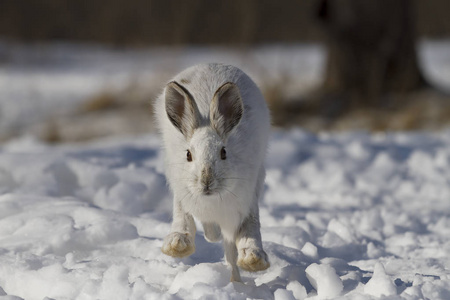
(181, 109)
(226, 109)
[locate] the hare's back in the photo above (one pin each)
(203, 80)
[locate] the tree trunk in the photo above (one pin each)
(371, 50)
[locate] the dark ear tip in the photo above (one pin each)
(228, 85)
(173, 85)
(228, 88)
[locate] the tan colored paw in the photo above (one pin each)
(178, 245)
(253, 259)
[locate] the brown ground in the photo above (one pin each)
(130, 112)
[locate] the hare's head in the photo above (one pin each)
(206, 161)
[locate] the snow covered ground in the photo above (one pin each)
(345, 216)
(41, 81)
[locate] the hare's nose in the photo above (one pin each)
(207, 178)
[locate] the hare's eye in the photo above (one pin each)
(188, 155)
(223, 153)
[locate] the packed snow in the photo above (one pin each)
(345, 216)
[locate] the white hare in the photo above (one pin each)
(215, 125)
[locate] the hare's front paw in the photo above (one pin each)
(253, 259)
(178, 244)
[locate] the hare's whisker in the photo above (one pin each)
(185, 195)
(231, 192)
(236, 178)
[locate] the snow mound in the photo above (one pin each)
(325, 280)
(380, 284)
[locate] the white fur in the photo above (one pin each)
(237, 181)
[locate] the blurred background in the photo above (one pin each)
(76, 70)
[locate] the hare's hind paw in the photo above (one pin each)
(178, 245)
(253, 259)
